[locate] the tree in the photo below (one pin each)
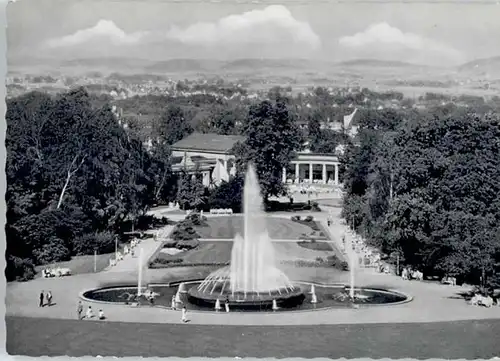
(228, 194)
(71, 170)
(272, 137)
(172, 125)
(430, 191)
(185, 191)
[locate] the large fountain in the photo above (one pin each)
(252, 281)
(252, 278)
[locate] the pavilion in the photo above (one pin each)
(211, 155)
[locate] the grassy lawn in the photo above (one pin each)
(80, 264)
(219, 252)
(450, 340)
(206, 253)
(227, 227)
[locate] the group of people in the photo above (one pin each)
(184, 318)
(410, 274)
(45, 296)
(89, 314)
(126, 250)
(55, 272)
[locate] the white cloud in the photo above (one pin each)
(383, 37)
(272, 25)
(272, 31)
(103, 31)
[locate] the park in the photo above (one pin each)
(397, 258)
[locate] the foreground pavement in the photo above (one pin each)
(449, 340)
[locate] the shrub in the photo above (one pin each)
(170, 244)
(19, 269)
(145, 222)
(54, 250)
(184, 232)
(187, 244)
(315, 207)
(333, 261)
(295, 218)
(102, 242)
(161, 262)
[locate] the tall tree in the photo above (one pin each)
(272, 138)
(172, 126)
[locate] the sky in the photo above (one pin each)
(434, 33)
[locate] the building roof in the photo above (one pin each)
(208, 142)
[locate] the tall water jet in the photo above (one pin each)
(352, 259)
(139, 277)
(252, 278)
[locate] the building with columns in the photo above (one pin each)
(211, 155)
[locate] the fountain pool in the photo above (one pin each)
(327, 296)
(252, 281)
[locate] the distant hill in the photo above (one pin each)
(378, 63)
(106, 62)
(243, 64)
(184, 65)
(482, 66)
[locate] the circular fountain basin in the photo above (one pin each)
(327, 296)
(284, 297)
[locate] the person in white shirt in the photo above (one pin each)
(90, 313)
(184, 314)
(101, 315)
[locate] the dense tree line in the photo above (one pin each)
(422, 183)
(427, 186)
(75, 177)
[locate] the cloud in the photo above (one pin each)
(105, 31)
(382, 37)
(272, 25)
(270, 32)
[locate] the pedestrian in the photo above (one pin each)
(226, 305)
(49, 298)
(101, 315)
(79, 310)
(184, 314)
(172, 304)
(90, 313)
(42, 296)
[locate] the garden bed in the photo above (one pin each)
(316, 246)
(205, 253)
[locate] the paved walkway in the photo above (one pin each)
(431, 301)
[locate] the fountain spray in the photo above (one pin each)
(139, 280)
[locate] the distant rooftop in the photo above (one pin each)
(209, 142)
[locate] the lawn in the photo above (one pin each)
(206, 253)
(219, 252)
(81, 264)
(228, 227)
(446, 340)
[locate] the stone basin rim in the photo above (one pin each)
(408, 298)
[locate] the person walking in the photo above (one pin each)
(90, 313)
(184, 314)
(49, 298)
(79, 310)
(42, 296)
(101, 315)
(226, 305)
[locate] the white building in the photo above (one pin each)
(211, 155)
